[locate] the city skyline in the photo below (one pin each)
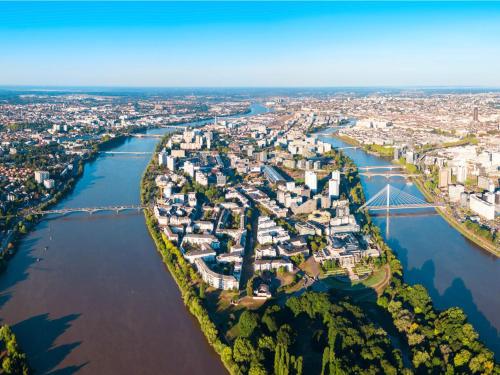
(230, 44)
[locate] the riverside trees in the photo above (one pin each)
(13, 359)
(440, 342)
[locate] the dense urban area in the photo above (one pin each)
(265, 226)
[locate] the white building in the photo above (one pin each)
(371, 123)
(454, 192)
(219, 281)
(49, 183)
(200, 239)
(201, 178)
(273, 264)
(486, 183)
(268, 232)
(41, 176)
(334, 187)
(221, 179)
(482, 208)
(461, 173)
(444, 177)
(311, 180)
(162, 158)
(190, 167)
(171, 163)
(265, 252)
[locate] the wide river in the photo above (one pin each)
(455, 271)
(99, 300)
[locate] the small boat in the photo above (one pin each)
(37, 259)
(46, 248)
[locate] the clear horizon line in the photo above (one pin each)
(4, 86)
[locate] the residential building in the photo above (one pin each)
(481, 207)
(41, 176)
(311, 180)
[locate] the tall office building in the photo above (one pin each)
(311, 180)
(475, 114)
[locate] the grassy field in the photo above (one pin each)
(377, 282)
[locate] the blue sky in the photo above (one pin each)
(250, 44)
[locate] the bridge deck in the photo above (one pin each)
(374, 167)
(88, 209)
(403, 207)
(386, 174)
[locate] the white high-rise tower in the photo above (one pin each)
(311, 180)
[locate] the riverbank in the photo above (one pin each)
(460, 227)
(345, 138)
(184, 275)
(433, 253)
(398, 298)
(61, 329)
(27, 223)
(450, 219)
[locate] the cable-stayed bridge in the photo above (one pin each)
(392, 198)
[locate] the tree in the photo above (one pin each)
(266, 342)
(330, 364)
(461, 358)
(285, 335)
(247, 323)
(420, 357)
(202, 290)
(250, 286)
(257, 369)
(242, 350)
(270, 322)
